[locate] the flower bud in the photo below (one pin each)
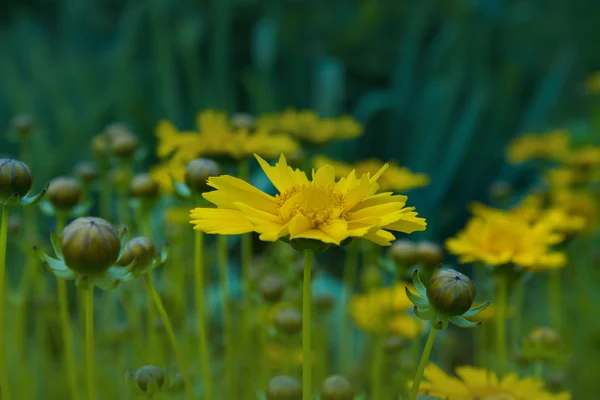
(23, 124)
(64, 193)
(284, 388)
(242, 120)
(393, 344)
(100, 146)
(500, 191)
(429, 254)
(139, 249)
(323, 302)
(90, 245)
(86, 172)
(337, 388)
(197, 173)
(15, 177)
(150, 379)
(404, 253)
(144, 187)
(124, 145)
(115, 129)
(543, 344)
(288, 320)
(271, 288)
(450, 292)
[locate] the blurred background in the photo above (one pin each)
(441, 85)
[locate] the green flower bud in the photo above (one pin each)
(394, 344)
(543, 344)
(23, 124)
(197, 173)
(115, 129)
(139, 249)
(429, 254)
(90, 245)
(150, 379)
(124, 145)
(144, 187)
(15, 177)
(450, 292)
(100, 146)
(86, 172)
(404, 253)
(288, 320)
(64, 193)
(323, 302)
(337, 388)
(271, 288)
(284, 388)
(500, 191)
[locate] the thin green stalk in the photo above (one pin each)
(377, 368)
(421, 368)
(90, 363)
(538, 369)
(554, 287)
(4, 382)
(201, 317)
(306, 331)
(263, 365)
(346, 353)
(65, 321)
(226, 304)
(517, 313)
(133, 316)
(153, 337)
(501, 349)
(174, 343)
(104, 195)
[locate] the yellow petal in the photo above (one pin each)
(220, 221)
(336, 229)
(380, 237)
(298, 225)
(231, 190)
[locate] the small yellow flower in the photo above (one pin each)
(165, 172)
(578, 204)
(307, 126)
(566, 177)
(474, 383)
(538, 146)
(592, 83)
(583, 157)
(395, 178)
(497, 238)
(320, 209)
(385, 310)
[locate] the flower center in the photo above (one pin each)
(319, 204)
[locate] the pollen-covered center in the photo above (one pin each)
(318, 203)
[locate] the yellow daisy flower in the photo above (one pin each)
(497, 237)
(321, 209)
(385, 310)
(307, 126)
(474, 383)
(540, 146)
(395, 178)
(578, 204)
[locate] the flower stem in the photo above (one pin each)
(555, 299)
(90, 363)
(517, 313)
(346, 352)
(4, 383)
(225, 299)
(201, 317)
(377, 368)
(306, 347)
(174, 343)
(421, 368)
(501, 349)
(538, 369)
(104, 195)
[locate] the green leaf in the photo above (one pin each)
(462, 322)
(476, 310)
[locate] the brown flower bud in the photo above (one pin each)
(337, 388)
(544, 338)
(404, 253)
(124, 145)
(86, 172)
(90, 245)
(450, 292)
(429, 254)
(271, 288)
(393, 344)
(23, 124)
(144, 187)
(288, 320)
(100, 146)
(197, 173)
(64, 193)
(15, 177)
(148, 375)
(140, 249)
(284, 388)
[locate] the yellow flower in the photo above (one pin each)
(578, 204)
(497, 238)
(583, 157)
(385, 310)
(544, 146)
(164, 172)
(565, 177)
(217, 137)
(307, 126)
(395, 178)
(592, 83)
(321, 209)
(474, 383)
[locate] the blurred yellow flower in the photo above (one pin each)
(540, 146)
(217, 137)
(385, 310)
(167, 170)
(497, 237)
(306, 125)
(566, 177)
(474, 383)
(584, 157)
(580, 204)
(395, 178)
(592, 83)
(320, 209)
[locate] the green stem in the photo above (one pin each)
(554, 288)
(346, 352)
(65, 321)
(517, 313)
(538, 369)
(104, 195)
(153, 339)
(226, 304)
(501, 348)
(133, 316)
(306, 332)
(421, 368)
(90, 363)
(4, 382)
(174, 343)
(377, 368)
(201, 318)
